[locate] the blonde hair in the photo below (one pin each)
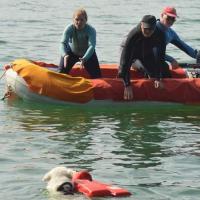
(81, 11)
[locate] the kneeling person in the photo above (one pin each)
(145, 43)
(78, 44)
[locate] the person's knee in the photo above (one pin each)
(93, 68)
(95, 73)
(61, 68)
(61, 64)
(166, 71)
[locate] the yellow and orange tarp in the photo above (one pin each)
(59, 86)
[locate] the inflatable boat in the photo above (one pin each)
(39, 81)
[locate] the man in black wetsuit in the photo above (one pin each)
(147, 44)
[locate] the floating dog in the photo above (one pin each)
(68, 181)
(59, 180)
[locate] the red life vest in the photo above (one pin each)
(84, 183)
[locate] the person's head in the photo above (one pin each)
(148, 25)
(80, 18)
(168, 16)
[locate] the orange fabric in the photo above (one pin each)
(83, 183)
(182, 90)
(98, 189)
(108, 89)
(175, 90)
(52, 84)
(111, 71)
(178, 73)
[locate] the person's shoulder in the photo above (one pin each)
(136, 30)
(137, 27)
(159, 25)
(69, 27)
(90, 29)
(159, 31)
(159, 34)
(172, 31)
(163, 28)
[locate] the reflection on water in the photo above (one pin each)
(152, 150)
(138, 132)
(137, 146)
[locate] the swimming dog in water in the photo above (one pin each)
(68, 181)
(59, 180)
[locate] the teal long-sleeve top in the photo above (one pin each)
(82, 42)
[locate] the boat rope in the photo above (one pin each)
(3, 74)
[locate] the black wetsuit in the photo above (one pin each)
(149, 50)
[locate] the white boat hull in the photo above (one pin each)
(17, 85)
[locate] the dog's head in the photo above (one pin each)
(66, 188)
(59, 179)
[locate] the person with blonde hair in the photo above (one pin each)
(78, 45)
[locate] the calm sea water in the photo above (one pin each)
(152, 150)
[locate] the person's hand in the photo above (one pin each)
(128, 93)
(82, 62)
(174, 64)
(158, 84)
(66, 57)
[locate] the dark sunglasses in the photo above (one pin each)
(169, 18)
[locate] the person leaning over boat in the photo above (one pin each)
(144, 44)
(78, 44)
(167, 19)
